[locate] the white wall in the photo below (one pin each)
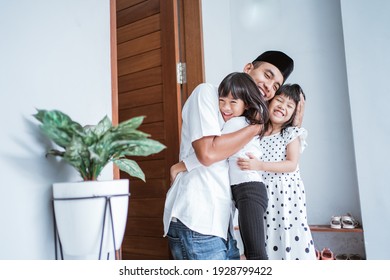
(367, 43)
(217, 39)
(312, 32)
(53, 55)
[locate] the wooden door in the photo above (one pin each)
(149, 46)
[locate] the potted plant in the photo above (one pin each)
(90, 215)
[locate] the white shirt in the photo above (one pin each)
(201, 199)
(237, 175)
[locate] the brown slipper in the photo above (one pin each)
(327, 254)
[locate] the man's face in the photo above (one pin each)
(267, 77)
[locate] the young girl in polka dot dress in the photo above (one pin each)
(288, 235)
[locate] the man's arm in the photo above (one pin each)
(211, 149)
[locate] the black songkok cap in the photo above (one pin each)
(280, 60)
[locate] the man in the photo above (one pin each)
(198, 207)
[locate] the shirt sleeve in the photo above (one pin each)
(201, 118)
(294, 132)
(201, 112)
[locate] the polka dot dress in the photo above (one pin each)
(288, 236)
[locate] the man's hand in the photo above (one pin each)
(300, 112)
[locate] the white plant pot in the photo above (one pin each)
(79, 210)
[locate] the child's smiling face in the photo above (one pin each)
(231, 107)
(281, 108)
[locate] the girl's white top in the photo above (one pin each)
(237, 175)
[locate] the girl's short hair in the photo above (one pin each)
(242, 86)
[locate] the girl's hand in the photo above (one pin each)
(176, 169)
(249, 164)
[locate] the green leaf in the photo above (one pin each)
(58, 136)
(132, 123)
(57, 126)
(89, 136)
(102, 127)
(128, 133)
(130, 167)
(141, 147)
(77, 153)
(40, 115)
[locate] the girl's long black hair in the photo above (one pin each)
(242, 86)
(292, 91)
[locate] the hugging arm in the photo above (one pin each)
(288, 165)
(211, 149)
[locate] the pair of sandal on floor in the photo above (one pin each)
(327, 254)
(344, 221)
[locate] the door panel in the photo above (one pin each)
(140, 97)
(139, 80)
(139, 62)
(138, 28)
(144, 248)
(133, 11)
(139, 45)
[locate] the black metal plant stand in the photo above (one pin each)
(107, 207)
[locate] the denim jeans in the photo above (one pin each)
(186, 244)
